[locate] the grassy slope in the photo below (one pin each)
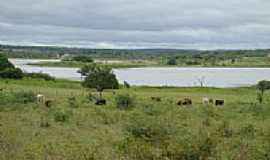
(239, 130)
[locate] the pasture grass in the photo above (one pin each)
(75, 128)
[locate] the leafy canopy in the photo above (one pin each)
(4, 63)
(99, 77)
(8, 70)
(263, 86)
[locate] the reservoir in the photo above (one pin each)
(164, 76)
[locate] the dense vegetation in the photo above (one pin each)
(8, 70)
(143, 57)
(130, 126)
(99, 77)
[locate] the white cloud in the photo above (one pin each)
(140, 23)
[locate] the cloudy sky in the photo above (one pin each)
(196, 24)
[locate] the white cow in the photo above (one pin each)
(40, 98)
(205, 100)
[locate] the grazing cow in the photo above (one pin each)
(219, 102)
(101, 102)
(40, 98)
(205, 100)
(179, 103)
(185, 102)
(48, 103)
(158, 99)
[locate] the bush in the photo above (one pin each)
(85, 59)
(72, 101)
(44, 76)
(4, 63)
(126, 84)
(25, 97)
(11, 73)
(124, 101)
(193, 63)
(61, 116)
(17, 97)
(7, 70)
(150, 128)
(171, 61)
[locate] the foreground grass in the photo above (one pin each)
(151, 130)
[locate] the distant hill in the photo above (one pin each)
(54, 52)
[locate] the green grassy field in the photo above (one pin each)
(80, 130)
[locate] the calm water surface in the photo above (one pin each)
(214, 77)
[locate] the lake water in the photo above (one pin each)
(212, 77)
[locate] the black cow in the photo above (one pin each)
(219, 102)
(158, 99)
(48, 103)
(101, 102)
(185, 102)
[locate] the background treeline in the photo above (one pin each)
(56, 52)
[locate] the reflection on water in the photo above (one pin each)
(215, 77)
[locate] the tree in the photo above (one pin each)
(11, 73)
(99, 77)
(262, 86)
(8, 70)
(84, 59)
(4, 63)
(171, 61)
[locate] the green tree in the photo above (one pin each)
(100, 78)
(4, 63)
(11, 73)
(7, 69)
(171, 61)
(85, 59)
(262, 87)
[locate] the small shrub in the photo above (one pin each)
(260, 97)
(172, 61)
(225, 130)
(24, 97)
(44, 76)
(193, 63)
(91, 97)
(124, 101)
(150, 129)
(248, 131)
(45, 124)
(11, 73)
(72, 101)
(61, 116)
(126, 84)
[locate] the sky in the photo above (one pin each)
(129, 24)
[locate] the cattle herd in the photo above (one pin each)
(188, 101)
(183, 102)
